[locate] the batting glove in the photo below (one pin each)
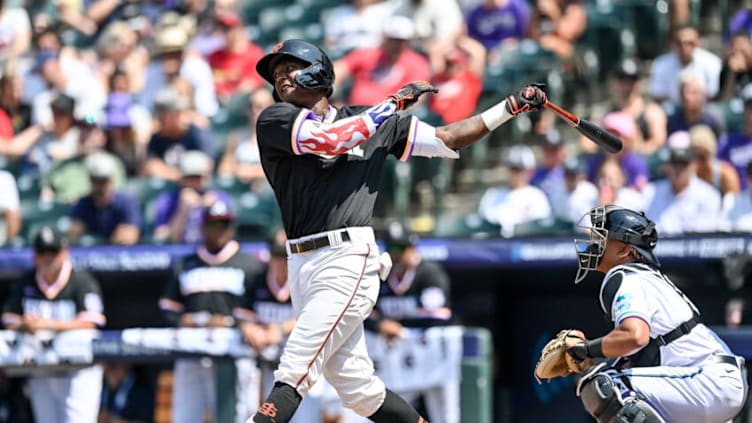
(409, 94)
(528, 99)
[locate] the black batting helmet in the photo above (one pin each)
(622, 224)
(319, 73)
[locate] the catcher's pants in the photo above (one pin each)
(712, 393)
(72, 397)
(194, 391)
(333, 290)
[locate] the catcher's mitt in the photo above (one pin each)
(554, 360)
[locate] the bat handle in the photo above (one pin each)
(571, 118)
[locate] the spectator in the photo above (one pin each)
(549, 174)
(207, 287)
(495, 22)
(737, 66)
(416, 296)
(10, 209)
(178, 212)
(376, 72)
(436, 21)
(613, 189)
(105, 214)
(15, 31)
(736, 147)
(634, 165)
(234, 66)
(355, 25)
(687, 55)
(54, 296)
(518, 202)
(174, 136)
(126, 397)
(172, 61)
(627, 96)
(740, 22)
(457, 69)
(241, 158)
(119, 50)
(557, 25)
(682, 203)
(121, 133)
(718, 173)
(16, 110)
(737, 208)
(573, 196)
(692, 108)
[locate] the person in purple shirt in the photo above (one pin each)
(634, 165)
(736, 147)
(178, 212)
(105, 213)
(549, 175)
(495, 21)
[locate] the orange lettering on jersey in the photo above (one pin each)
(268, 409)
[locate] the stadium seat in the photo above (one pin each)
(36, 214)
(258, 216)
(544, 227)
(466, 226)
(251, 10)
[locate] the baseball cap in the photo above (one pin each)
(219, 210)
(43, 57)
(551, 138)
(229, 19)
(519, 157)
(195, 163)
(628, 68)
(621, 124)
(169, 98)
(100, 165)
(49, 239)
(63, 103)
(679, 147)
(116, 110)
(573, 165)
(703, 137)
(399, 28)
(398, 237)
(171, 39)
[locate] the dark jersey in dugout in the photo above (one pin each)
(427, 287)
(263, 300)
(318, 194)
(214, 288)
(81, 293)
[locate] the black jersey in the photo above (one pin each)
(75, 295)
(317, 194)
(216, 288)
(270, 302)
(420, 298)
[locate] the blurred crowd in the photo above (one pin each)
(120, 119)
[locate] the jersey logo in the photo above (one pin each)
(268, 409)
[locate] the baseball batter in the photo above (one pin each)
(670, 367)
(324, 164)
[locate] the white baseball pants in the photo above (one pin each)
(70, 398)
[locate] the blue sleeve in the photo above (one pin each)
(131, 211)
(78, 211)
(163, 207)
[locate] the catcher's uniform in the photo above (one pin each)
(326, 202)
(420, 299)
(69, 396)
(206, 284)
(685, 372)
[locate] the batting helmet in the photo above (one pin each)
(318, 74)
(618, 223)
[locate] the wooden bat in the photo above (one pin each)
(598, 135)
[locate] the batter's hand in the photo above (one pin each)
(409, 94)
(528, 99)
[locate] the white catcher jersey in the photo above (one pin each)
(638, 290)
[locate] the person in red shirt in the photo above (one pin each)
(234, 66)
(458, 74)
(376, 72)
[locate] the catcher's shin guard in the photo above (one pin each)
(602, 400)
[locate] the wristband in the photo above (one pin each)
(496, 115)
(594, 348)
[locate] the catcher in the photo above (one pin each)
(669, 366)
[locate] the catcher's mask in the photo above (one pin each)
(318, 74)
(614, 222)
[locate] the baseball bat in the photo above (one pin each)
(598, 135)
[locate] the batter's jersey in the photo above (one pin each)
(639, 290)
(317, 194)
(202, 286)
(419, 299)
(269, 301)
(75, 295)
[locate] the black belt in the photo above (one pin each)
(729, 359)
(320, 241)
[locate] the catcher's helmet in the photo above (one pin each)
(621, 224)
(319, 73)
